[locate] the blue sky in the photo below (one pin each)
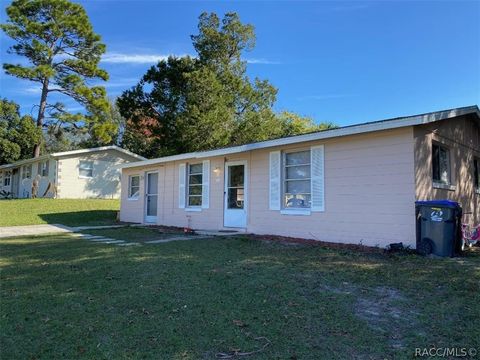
(346, 62)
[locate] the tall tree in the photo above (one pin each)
(63, 52)
(17, 134)
(191, 104)
(153, 106)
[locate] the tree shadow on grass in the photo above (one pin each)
(156, 301)
(82, 218)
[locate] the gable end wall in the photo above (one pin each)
(462, 136)
(105, 183)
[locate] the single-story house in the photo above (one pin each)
(354, 184)
(77, 174)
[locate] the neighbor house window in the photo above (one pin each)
(297, 182)
(7, 178)
(85, 169)
(195, 179)
(43, 168)
(440, 164)
(133, 186)
(476, 173)
(26, 171)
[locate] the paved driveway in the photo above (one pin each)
(27, 230)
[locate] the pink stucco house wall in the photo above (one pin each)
(356, 184)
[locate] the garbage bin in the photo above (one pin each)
(438, 227)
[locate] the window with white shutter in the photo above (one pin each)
(181, 185)
(206, 184)
(195, 185)
(297, 181)
(297, 190)
(275, 180)
(318, 178)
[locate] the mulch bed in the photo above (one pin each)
(329, 245)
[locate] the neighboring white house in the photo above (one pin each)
(77, 174)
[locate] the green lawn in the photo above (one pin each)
(138, 234)
(63, 297)
(70, 212)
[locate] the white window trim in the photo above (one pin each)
(275, 181)
(293, 211)
(24, 172)
(437, 185)
(7, 175)
(440, 185)
(187, 189)
(133, 198)
(296, 212)
(79, 168)
(40, 168)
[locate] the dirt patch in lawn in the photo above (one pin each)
(388, 312)
(385, 310)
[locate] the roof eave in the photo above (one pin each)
(24, 162)
(102, 148)
(345, 131)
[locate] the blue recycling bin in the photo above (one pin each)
(438, 227)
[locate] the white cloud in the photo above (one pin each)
(33, 90)
(29, 90)
(119, 58)
(261, 61)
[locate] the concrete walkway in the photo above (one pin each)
(28, 230)
(43, 229)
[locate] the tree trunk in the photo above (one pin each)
(41, 115)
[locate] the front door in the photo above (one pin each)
(151, 197)
(235, 207)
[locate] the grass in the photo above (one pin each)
(138, 234)
(64, 297)
(69, 212)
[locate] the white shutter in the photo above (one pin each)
(318, 178)
(206, 184)
(182, 177)
(275, 189)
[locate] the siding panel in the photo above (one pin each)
(369, 193)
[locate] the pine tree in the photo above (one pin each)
(63, 52)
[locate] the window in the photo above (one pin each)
(26, 171)
(7, 178)
(441, 164)
(297, 180)
(476, 173)
(236, 187)
(85, 169)
(195, 179)
(133, 186)
(43, 168)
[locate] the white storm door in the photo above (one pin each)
(151, 197)
(235, 207)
